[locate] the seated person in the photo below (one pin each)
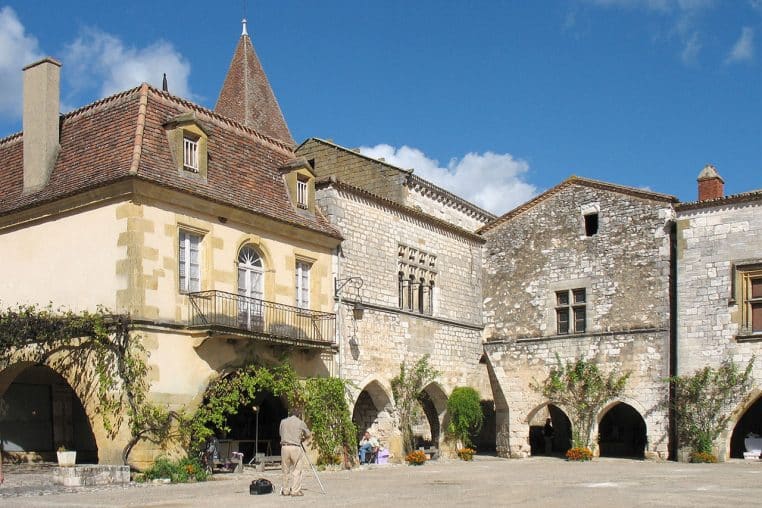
(368, 443)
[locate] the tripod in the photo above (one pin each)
(304, 452)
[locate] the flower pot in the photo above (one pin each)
(68, 458)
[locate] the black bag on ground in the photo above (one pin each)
(261, 486)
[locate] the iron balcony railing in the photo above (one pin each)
(229, 312)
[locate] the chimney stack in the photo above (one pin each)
(40, 122)
(710, 184)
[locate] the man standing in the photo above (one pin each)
(547, 433)
(293, 431)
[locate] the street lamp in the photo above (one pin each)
(256, 432)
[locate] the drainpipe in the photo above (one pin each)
(673, 446)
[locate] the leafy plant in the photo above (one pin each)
(407, 388)
(582, 389)
(416, 458)
(466, 454)
(466, 416)
(327, 412)
(703, 458)
(704, 400)
(106, 360)
(178, 471)
(579, 454)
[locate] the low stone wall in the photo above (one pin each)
(91, 474)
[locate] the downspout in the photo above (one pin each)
(673, 445)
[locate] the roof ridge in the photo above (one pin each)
(224, 119)
(409, 172)
(573, 179)
(11, 137)
(395, 205)
(139, 129)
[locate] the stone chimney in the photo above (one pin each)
(710, 184)
(40, 123)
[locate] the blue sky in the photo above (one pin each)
(494, 100)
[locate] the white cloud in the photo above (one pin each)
(16, 50)
(743, 49)
(691, 48)
(490, 180)
(99, 59)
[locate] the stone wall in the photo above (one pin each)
(623, 268)
(712, 240)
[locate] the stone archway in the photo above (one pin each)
(562, 430)
(40, 413)
(749, 423)
(622, 432)
(428, 431)
(262, 426)
(372, 412)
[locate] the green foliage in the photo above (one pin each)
(106, 361)
(322, 399)
(582, 389)
(179, 471)
(704, 400)
(466, 416)
(327, 412)
(407, 388)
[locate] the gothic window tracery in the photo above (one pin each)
(416, 274)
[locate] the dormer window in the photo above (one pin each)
(188, 142)
(302, 195)
(190, 153)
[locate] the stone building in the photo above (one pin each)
(719, 293)
(202, 226)
(582, 270)
(411, 259)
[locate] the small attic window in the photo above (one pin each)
(190, 152)
(591, 224)
(302, 199)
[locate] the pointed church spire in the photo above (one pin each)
(246, 96)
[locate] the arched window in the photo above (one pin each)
(250, 287)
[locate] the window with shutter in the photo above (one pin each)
(189, 266)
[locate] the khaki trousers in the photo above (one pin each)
(291, 457)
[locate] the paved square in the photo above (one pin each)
(488, 481)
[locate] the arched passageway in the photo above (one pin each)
(561, 436)
(371, 413)
(262, 427)
(487, 438)
(40, 412)
(433, 403)
(622, 432)
(750, 423)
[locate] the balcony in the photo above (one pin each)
(230, 315)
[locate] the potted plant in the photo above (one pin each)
(416, 458)
(66, 457)
(466, 454)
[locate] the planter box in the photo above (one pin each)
(67, 458)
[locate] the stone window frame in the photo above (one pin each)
(586, 211)
(569, 303)
(189, 232)
(416, 279)
(187, 127)
(742, 273)
(550, 325)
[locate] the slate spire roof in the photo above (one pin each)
(247, 97)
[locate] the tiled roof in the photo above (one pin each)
(123, 136)
(247, 97)
(732, 199)
(576, 180)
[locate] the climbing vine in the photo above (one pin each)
(407, 388)
(703, 402)
(322, 401)
(106, 362)
(582, 389)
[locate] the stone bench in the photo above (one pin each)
(91, 474)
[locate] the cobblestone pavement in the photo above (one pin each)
(487, 481)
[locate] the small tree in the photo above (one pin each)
(326, 410)
(407, 389)
(703, 402)
(466, 417)
(582, 389)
